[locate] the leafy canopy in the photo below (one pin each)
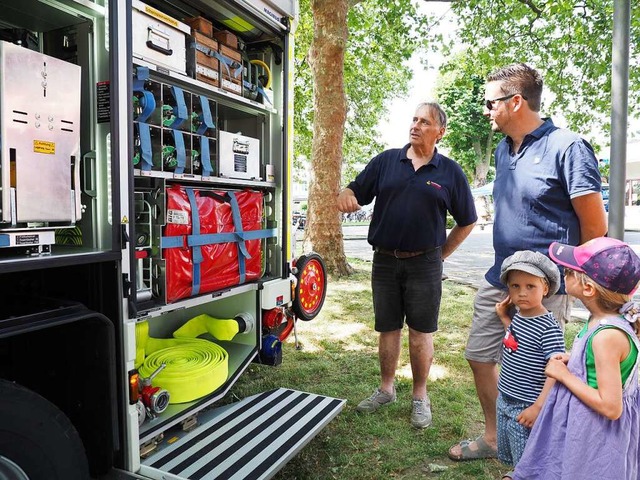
(383, 35)
(569, 42)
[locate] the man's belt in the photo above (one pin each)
(401, 254)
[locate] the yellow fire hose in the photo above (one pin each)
(194, 367)
(267, 70)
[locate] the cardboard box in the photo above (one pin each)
(226, 38)
(231, 77)
(200, 25)
(201, 66)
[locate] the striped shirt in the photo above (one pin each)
(528, 344)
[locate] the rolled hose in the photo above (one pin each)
(194, 367)
(260, 63)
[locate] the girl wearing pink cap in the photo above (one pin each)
(589, 426)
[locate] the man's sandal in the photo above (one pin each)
(484, 450)
(508, 475)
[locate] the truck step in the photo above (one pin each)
(250, 439)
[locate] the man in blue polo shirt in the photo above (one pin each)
(414, 188)
(547, 188)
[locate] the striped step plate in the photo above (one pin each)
(250, 439)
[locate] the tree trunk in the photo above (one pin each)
(324, 223)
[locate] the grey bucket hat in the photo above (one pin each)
(534, 263)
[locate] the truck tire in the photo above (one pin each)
(37, 440)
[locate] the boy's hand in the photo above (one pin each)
(563, 357)
(528, 416)
(502, 308)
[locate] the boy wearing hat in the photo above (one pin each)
(532, 336)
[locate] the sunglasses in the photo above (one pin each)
(489, 103)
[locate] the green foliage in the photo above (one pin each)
(383, 36)
(469, 138)
(450, 222)
(604, 170)
(568, 42)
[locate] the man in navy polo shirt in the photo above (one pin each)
(414, 188)
(547, 188)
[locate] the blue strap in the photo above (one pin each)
(181, 153)
(231, 63)
(205, 157)
(196, 253)
(181, 107)
(185, 241)
(205, 118)
(148, 101)
(242, 247)
(253, 87)
(212, 53)
(145, 146)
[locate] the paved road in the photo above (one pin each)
(467, 264)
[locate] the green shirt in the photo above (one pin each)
(626, 366)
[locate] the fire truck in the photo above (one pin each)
(145, 252)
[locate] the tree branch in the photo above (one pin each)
(535, 9)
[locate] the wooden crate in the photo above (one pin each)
(231, 83)
(226, 38)
(206, 68)
(200, 25)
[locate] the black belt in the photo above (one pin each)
(399, 253)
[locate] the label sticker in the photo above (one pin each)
(161, 16)
(42, 146)
(178, 217)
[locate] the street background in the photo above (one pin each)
(469, 263)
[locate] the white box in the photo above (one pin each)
(159, 38)
(276, 293)
(239, 156)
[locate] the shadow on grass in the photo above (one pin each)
(338, 358)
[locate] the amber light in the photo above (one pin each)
(134, 387)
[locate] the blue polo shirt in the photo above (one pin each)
(533, 189)
(411, 206)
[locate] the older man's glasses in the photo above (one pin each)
(490, 103)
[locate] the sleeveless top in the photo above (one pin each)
(570, 441)
(626, 366)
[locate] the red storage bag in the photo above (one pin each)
(205, 242)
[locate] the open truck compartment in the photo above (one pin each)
(144, 182)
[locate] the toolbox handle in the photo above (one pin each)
(157, 33)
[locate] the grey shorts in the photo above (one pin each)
(485, 337)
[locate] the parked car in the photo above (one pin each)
(299, 220)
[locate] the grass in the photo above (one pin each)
(338, 358)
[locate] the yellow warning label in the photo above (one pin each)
(161, 16)
(125, 220)
(42, 146)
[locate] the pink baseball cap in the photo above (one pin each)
(607, 261)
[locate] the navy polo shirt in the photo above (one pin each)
(411, 206)
(533, 189)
